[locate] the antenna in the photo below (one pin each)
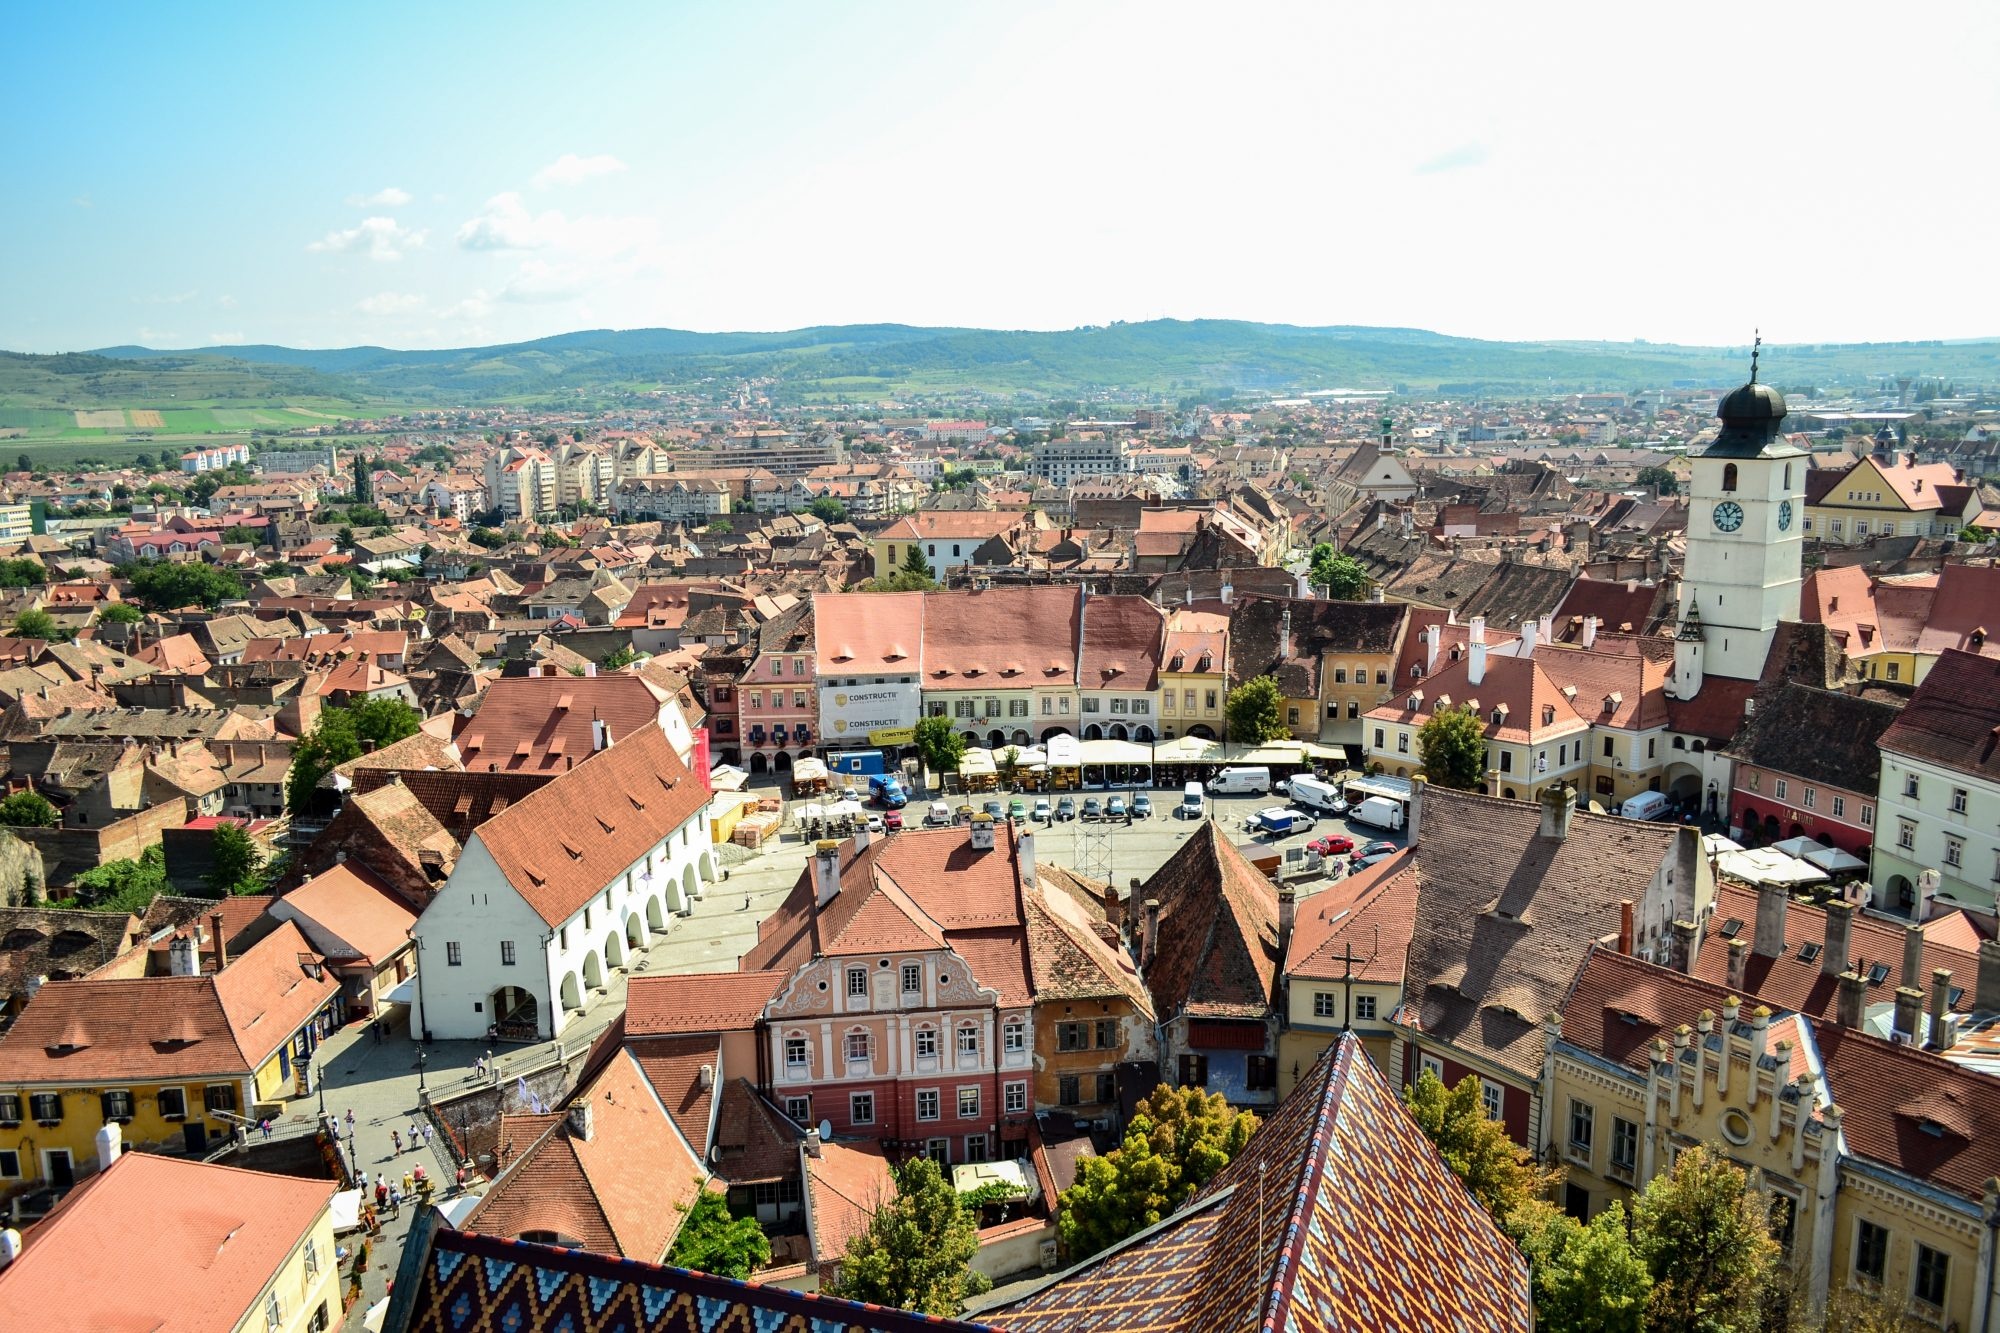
(1757, 342)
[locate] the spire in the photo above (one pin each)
(1756, 343)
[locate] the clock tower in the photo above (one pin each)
(1745, 550)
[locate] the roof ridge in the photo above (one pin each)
(1291, 1246)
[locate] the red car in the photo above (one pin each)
(892, 820)
(1333, 844)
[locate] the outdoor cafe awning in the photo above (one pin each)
(1063, 751)
(1116, 752)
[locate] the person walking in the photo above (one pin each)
(479, 1067)
(350, 1122)
(364, 1180)
(396, 1138)
(265, 1126)
(427, 1133)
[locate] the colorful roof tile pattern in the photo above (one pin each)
(1339, 1215)
(457, 1282)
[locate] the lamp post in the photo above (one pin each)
(318, 1067)
(421, 1059)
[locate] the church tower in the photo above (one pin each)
(1745, 551)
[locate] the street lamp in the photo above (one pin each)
(421, 1058)
(318, 1067)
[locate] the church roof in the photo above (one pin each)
(1752, 424)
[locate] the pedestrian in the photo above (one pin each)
(364, 1180)
(350, 1122)
(409, 1185)
(396, 1137)
(479, 1067)
(396, 1198)
(381, 1194)
(265, 1125)
(413, 1136)
(427, 1133)
(376, 1029)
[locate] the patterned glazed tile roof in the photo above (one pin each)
(1339, 1215)
(456, 1282)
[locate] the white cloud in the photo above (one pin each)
(390, 197)
(570, 169)
(390, 303)
(506, 225)
(381, 238)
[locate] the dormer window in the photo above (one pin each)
(1499, 716)
(1548, 715)
(1416, 700)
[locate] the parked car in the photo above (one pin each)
(1380, 849)
(1017, 810)
(1092, 810)
(1142, 806)
(1333, 844)
(875, 824)
(893, 821)
(1115, 808)
(1042, 808)
(940, 814)
(993, 808)
(1065, 809)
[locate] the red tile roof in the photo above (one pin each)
(845, 1185)
(673, 1066)
(1371, 913)
(1001, 639)
(861, 632)
(351, 902)
(1216, 955)
(1121, 644)
(569, 838)
(659, 1004)
(542, 724)
(1954, 717)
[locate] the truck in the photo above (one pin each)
(1239, 781)
(1313, 794)
(886, 789)
(1381, 811)
(1282, 821)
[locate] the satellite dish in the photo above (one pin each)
(825, 1130)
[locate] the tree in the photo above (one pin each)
(28, 809)
(1661, 480)
(1256, 711)
(940, 746)
(1587, 1278)
(165, 587)
(120, 886)
(1178, 1140)
(364, 481)
(120, 613)
(238, 534)
(338, 737)
(914, 563)
(488, 538)
(916, 1252)
(35, 623)
(900, 581)
(828, 510)
(713, 1240)
(23, 573)
(1704, 1232)
(721, 526)
(234, 862)
(1452, 745)
(619, 658)
(1340, 574)
(23, 463)
(1499, 1173)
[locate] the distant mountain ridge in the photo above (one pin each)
(1159, 357)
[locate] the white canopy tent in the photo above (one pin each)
(1834, 861)
(1115, 752)
(1803, 848)
(1064, 751)
(1768, 866)
(809, 770)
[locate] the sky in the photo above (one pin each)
(442, 175)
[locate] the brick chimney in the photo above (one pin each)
(826, 871)
(1852, 1003)
(1151, 942)
(1625, 926)
(1417, 786)
(1909, 1013)
(221, 948)
(582, 1121)
(1558, 808)
(1839, 929)
(1913, 954)
(1739, 962)
(1769, 941)
(1940, 1006)
(1114, 909)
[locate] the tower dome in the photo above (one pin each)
(1752, 419)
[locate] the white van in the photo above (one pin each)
(1646, 805)
(1240, 781)
(1191, 802)
(1310, 792)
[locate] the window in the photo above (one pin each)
(318, 1323)
(1193, 1071)
(1810, 798)
(117, 1105)
(857, 983)
(1506, 761)
(1378, 738)
(1260, 1073)
(1014, 1037)
(1607, 747)
(927, 1043)
(274, 1311)
(1868, 816)
(1652, 746)
(1048, 706)
(1291, 717)
(795, 1054)
(1072, 1037)
(1323, 1005)
(452, 956)
(1090, 705)
(938, 1150)
(857, 1046)
(1118, 705)
(1729, 477)
(754, 698)
(1017, 708)
(1582, 1128)
(1906, 835)
(975, 1147)
(1209, 703)
(1871, 1250)
(47, 1106)
(1954, 851)
(1782, 790)
(1364, 1006)
(1958, 800)
(1895, 668)
(1562, 755)
(10, 1164)
(913, 978)
(312, 1257)
(961, 708)
(1784, 1221)
(1107, 1089)
(1067, 1092)
(1624, 1145)
(1910, 786)
(861, 1108)
(1756, 780)
(1017, 1097)
(1107, 1034)
(968, 1041)
(1187, 697)
(1430, 1064)
(1340, 675)
(799, 1109)
(10, 1108)
(1353, 711)
(219, 1097)
(1402, 742)
(968, 1103)
(1492, 1097)
(506, 953)
(927, 1104)
(1933, 1276)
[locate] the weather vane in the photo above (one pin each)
(1757, 341)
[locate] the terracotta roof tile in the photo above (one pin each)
(1954, 717)
(662, 1004)
(1373, 913)
(1217, 949)
(350, 902)
(543, 723)
(673, 1066)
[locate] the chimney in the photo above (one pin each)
(1852, 1002)
(600, 735)
(861, 837)
(1228, 592)
(826, 870)
(1909, 1013)
(982, 832)
(1416, 820)
(1769, 941)
(812, 1142)
(581, 1121)
(181, 956)
(1375, 593)
(1285, 634)
(1432, 637)
(221, 949)
(110, 1144)
(1927, 884)
(1940, 1007)
(1986, 991)
(1684, 932)
(1625, 926)
(1024, 855)
(1739, 962)
(1529, 633)
(1913, 955)
(1558, 807)
(1303, 588)
(1288, 900)
(10, 1246)
(1839, 929)
(1114, 910)
(704, 1078)
(1152, 939)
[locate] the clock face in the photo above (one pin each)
(1728, 516)
(1784, 515)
